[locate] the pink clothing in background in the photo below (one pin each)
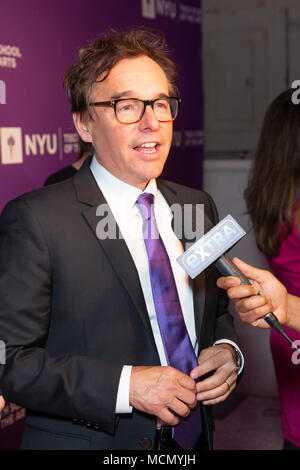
(286, 267)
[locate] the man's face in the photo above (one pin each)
(120, 148)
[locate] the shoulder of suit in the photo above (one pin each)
(53, 194)
(190, 194)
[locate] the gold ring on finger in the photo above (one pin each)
(228, 385)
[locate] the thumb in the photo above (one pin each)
(249, 271)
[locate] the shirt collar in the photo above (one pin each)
(120, 196)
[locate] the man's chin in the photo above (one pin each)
(151, 175)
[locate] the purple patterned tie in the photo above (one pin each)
(177, 344)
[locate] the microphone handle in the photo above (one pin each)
(226, 266)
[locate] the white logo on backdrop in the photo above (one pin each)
(9, 56)
(148, 9)
(153, 8)
(170, 9)
(11, 145)
(2, 92)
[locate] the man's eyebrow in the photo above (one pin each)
(123, 94)
(131, 94)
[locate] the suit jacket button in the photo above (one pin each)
(78, 421)
(146, 443)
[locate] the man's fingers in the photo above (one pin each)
(216, 380)
(186, 390)
(187, 397)
(214, 400)
(219, 360)
(218, 356)
(216, 394)
(180, 408)
(221, 391)
(167, 417)
(185, 381)
(156, 389)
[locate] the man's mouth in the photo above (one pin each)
(147, 147)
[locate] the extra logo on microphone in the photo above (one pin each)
(211, 246)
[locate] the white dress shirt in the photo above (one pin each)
(121, 198)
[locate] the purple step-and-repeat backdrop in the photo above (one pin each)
(38, 42)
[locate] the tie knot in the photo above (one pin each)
(145, 203)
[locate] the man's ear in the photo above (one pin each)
(82, 127)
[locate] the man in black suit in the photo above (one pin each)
(85, 354)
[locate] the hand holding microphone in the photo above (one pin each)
(211, 248)
(252, 307)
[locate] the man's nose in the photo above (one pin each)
(149, 120)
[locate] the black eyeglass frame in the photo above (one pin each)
(114, 103)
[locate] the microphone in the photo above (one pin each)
(211, 248)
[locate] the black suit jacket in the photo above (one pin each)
(72, 313)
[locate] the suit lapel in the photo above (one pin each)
(116, 250)
(89, 194)
(172, 196)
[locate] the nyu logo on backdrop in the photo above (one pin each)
(152, 8)
(148, 9)
(11, 145)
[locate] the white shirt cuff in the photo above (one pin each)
(232, 343)
(122, 403)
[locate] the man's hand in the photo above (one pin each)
(162, 391)
(250, 306)
(220, 360)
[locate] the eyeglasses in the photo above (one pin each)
(131, 110)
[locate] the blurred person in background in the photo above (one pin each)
(85, 148)
(272, 198)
